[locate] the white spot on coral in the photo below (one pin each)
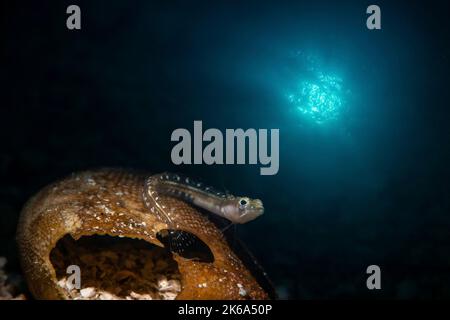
(87, 292)
(242, 291)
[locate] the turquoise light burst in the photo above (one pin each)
(320, 100)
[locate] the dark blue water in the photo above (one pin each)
(369, 187)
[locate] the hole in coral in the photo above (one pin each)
(116, 268)
(186, 245)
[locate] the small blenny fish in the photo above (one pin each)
(236, 209)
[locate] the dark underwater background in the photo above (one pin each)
(370, 187)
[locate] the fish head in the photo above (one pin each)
(242, 209)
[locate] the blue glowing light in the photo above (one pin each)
(320, 99)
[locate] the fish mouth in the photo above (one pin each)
(260, 211)
(253, 213)
(257, 205)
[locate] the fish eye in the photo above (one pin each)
(243, 202)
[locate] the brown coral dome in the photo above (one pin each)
(97, 221)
